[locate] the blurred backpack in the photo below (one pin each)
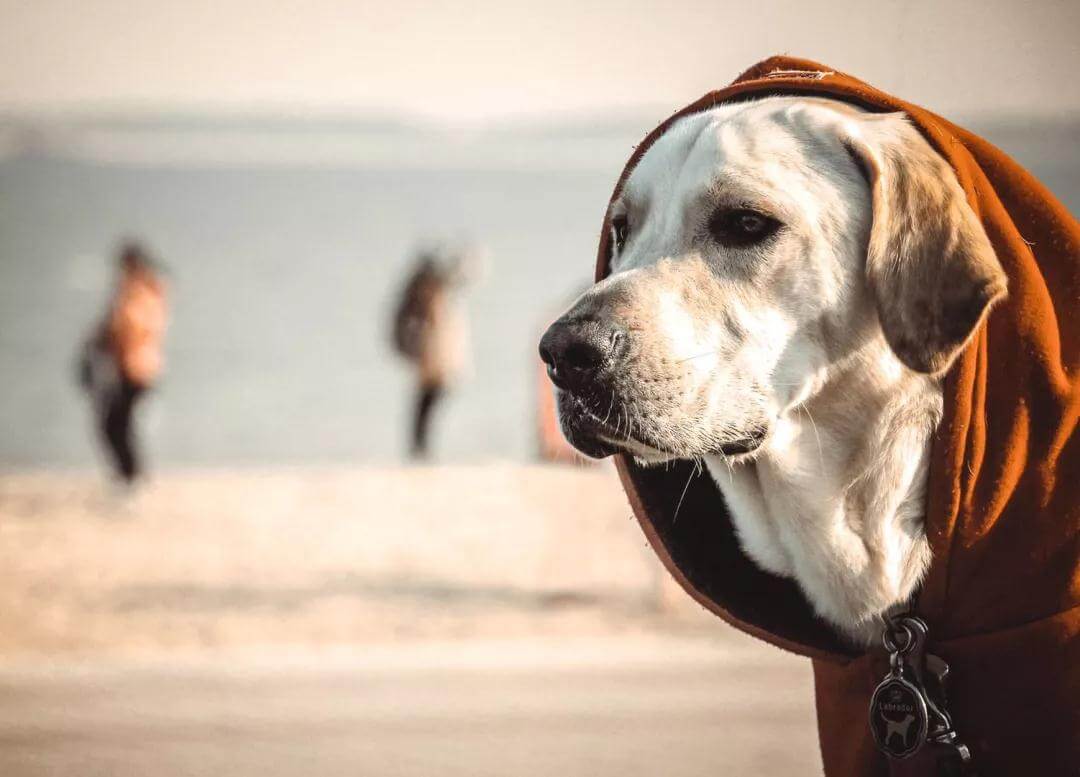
(414, 307)
(93, 368)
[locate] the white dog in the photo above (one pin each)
(790, 278)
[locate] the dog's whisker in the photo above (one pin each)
(821, 456)
(693, 472)
(698, 356)
(610, 405)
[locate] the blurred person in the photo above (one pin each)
(122, 358)
(431, 332)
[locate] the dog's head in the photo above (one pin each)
(753, 248)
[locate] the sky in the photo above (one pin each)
(501, 60)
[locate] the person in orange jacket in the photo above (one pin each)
(122, 360)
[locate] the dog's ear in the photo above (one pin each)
(929, 263)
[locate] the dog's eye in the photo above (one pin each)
(741, 227)
(620, 230)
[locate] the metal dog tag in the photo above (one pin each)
(899, 708)
(908, 707)
(898, 716)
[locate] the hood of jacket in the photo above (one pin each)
(1003, 500)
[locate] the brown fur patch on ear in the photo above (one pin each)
(929, 264)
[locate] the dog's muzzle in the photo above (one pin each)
(584, 356)
(604, 402)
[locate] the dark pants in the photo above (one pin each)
(425, 402)
(118, 430)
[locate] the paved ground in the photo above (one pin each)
(591, 708)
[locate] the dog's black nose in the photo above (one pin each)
(577, 352)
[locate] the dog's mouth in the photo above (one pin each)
(592, 434)
(601, 435)
(745, 446)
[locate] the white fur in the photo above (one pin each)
(833, 498)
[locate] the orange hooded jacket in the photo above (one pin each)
(1003, 505)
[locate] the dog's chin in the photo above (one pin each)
(592, 446)
(583, 430)
(744, 448)
(598, 442)
(590, 435)
(740, 450)
(594, 437)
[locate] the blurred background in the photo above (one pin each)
(303, 576)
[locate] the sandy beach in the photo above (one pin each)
(497, 619)
(213, 559)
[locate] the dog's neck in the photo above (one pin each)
(835, 499)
